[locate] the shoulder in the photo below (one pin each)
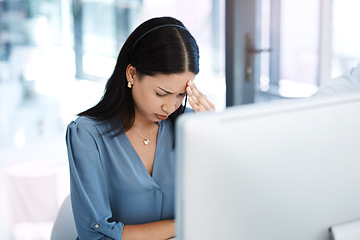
(189, 110)
(349, 81)
(86, 125)
(83, 122)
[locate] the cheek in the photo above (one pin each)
(143, 99)
(178, 102)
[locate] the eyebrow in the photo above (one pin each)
(168, 92)
(165, 90)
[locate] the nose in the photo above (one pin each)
(169, 106)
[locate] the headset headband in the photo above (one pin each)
(149, 31)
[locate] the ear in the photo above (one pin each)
(130, 73)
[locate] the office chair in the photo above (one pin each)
(30, 200)
(64, 225)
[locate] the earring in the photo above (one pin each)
(129, 85)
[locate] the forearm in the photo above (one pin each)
(151, 231)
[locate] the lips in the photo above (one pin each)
(161, 117)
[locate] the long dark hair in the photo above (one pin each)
(159, 45)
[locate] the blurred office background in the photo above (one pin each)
(56, 55)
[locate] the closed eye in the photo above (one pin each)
(160, 95)
(167, 93)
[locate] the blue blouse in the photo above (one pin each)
(110, 186)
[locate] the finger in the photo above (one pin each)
(196, 106)
(199, 98)
(194, 93)
(191, 94)
(209, 103)
(197, 101)
(203, 99)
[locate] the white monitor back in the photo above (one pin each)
(284, 170)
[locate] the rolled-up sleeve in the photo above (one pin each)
(89, 193)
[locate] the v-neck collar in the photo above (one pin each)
(140, 162)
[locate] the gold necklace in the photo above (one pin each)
(146, 139)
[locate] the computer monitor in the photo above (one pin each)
(285, 170)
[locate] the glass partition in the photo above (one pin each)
(55, 58)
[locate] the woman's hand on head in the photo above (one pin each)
(198, 101)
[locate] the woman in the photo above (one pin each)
(121, 150)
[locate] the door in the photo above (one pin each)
(276, 49)
(242, 19)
